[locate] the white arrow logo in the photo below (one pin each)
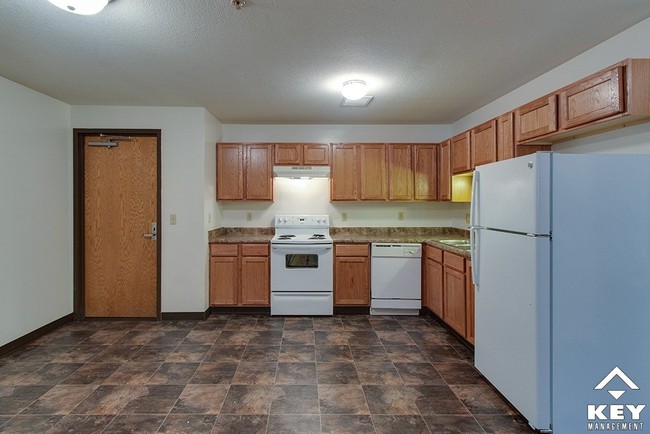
(616, 372)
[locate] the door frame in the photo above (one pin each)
(79, 135)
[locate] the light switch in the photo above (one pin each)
(172, 219)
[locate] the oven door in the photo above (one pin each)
(302, 267)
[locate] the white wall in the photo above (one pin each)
(36, 209)
(312, 197)
(632, 42)
(184, 135)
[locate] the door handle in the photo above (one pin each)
(153, 235)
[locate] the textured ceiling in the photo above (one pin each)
(282, 61)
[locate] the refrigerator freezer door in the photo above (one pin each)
(514, 195)
(512, 343)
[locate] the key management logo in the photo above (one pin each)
(616, 417)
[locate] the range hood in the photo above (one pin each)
(301, 172)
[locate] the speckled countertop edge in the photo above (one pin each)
(424, 235)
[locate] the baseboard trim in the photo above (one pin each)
(352, 310)
(240, 310)
(185, 316)
(32, 336)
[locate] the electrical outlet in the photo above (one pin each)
(344, 216)
(466, 217)
(400, 215)
(172, 219)
(249, 216)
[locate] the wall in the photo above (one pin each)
(36, 208)
(312, 197)
(185, 133)
(632, 42)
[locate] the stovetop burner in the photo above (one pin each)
(317, 237)
(286, 237)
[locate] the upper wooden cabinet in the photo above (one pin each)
(536, 119)
(373, 183)
(425, 171)
(461, 160)
(484, 143)
(244, 171)
(400, 172)
(308, 154)
(444, 171)
(506, 136)
(344, 177)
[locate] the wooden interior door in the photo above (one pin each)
(120, 204)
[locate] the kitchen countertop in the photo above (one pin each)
(424, 235)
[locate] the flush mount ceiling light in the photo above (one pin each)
(354, 89)
(81, 7)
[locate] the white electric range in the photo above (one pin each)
(302, 266)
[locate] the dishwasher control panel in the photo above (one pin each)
(410, 250)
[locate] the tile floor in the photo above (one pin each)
(250, 374)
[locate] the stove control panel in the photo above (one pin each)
(297, 221)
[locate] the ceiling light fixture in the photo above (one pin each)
(354, 89)
(81, 7)
(238, 4)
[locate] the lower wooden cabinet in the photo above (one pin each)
(239, 275)
(455, 313)
(433, 280)
(351, 275)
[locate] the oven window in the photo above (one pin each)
(301, 260)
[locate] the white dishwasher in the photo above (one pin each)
(395, 279)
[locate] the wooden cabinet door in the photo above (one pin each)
(536, 119)
(224, 280)
(351, 281)
(345, 172)
(288, 154)
(255, 286)
(372, 171)
(506, 136)
(316, 154)
(596, 97)
(259, 172)
(400, 172)
(230, 171)
(460, 153)
(454, 300)
(434, 286)
(425, 172)
(469, 332)
(444, 171)
(484, 143)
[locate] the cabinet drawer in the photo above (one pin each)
(255, 250)
(433, 253)
(223, 249)
(351, 250)
(454, 261)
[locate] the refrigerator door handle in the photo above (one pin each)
(473, 235)
(473, 252)
(473, 205)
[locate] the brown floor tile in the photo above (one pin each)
(482, 399)
(133, 373)
(14, 399)
(92, 373)
(188, 353)
(261, 353)
(459, 373)
(399, 337)
(201, 399)
(418, 373)
(298, 337)
(405, 354)
(156, 399)
(293, 424)
(453, 424)
(366, 338)
(255, 373)
(391, 399)
(225, 353)
(188, 424)
(134, 423)
(424, 339)
(265, 338)
(385, 324)
(241, 323)
(346, 424)
(30, 424)
(60, 400)
(377, 373)
(337, 373)
(297, 353)
(299, 323)
(214, 373)
(504, 424)
(37, 353)
(153, 353)
(375, 353)
(79, 424)
(296, 373)
(50, 374)
(248, 399)
(201, 337)
(327, 324)
(12, 372)
(333, 353)
(441, 354)
(342, 399)
(411, 424)
(169, 338)
(116, 354)
(105, 337)
(173, 373)
(338, 337)
(246, 424)
(80, 354)
(356, 324)
(107, 400)
(295, 400)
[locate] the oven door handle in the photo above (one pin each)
(302, 247)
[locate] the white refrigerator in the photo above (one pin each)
(561, 263)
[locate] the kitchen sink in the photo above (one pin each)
(458, 243)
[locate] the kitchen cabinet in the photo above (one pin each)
(461, 153)
(454, 295)
(373, 183)
(344, 180)
(400, 172)
(469, 329)
(433, 280)
(244, 171)
(444, 171)
(351, 275)
(483, 142)
(239, 275)
(301, 154)
(425, 171)
(506, 136)
(535, 119)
